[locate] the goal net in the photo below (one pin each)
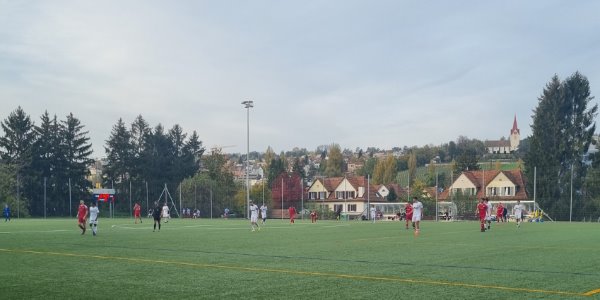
(533, 212)
(384, 211)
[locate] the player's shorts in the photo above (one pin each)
(409, 217)
(253, 218)
(137, 215)
(164, 216)
(81, 220)
(93, 222)
(156, 218)
(416, 218)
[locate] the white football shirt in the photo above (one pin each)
(417, 208)
(263, 210)
(94, 211)
(518, 209)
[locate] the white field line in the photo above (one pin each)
(35, 231)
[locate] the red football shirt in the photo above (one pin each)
(292, 211)
(136, 209)
(482, 208)
(409, 210)
(499, 210)
(82, 211)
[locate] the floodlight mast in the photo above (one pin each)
(247, 105)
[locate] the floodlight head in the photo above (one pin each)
(248, 103)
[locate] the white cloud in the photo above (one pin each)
(380, 74)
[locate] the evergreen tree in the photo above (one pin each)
(140, 132)
(275, 168)
(16, 151)
(119, 153)
(562, 128)
(19, 135)
(48, 162)
(192, 154)
(268, 157)
(77, 151)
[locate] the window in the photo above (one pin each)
(468, 191)
(344, 194)
(351, 207)
(338, 207)
(317, 195)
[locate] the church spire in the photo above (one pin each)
(515, 128)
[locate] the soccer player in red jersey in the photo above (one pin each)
(137, 212)
(292, 211)
(499, 211)
(82, 216)
(409, 214)
(481, 211)
(313, 216)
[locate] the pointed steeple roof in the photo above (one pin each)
(515, 128)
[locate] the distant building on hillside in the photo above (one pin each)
(504, 146)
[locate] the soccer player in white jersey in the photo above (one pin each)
(94, 211)
(263, 213)
(489, 212)
(373, 211)
(417, 214)
(254, 216)
(518, 211)
(165, 213)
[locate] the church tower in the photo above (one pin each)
(515, 136)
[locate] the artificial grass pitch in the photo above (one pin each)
(328, 260)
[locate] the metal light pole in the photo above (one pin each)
(70, 199)
(45, 197)
(248, 104)
(571, 206)
(436, 195)
(368, 197)
(302, 197)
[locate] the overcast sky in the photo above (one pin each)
(356, 73)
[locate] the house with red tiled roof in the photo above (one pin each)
(349, 195)
(494, 184)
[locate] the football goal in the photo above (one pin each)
(533, 212)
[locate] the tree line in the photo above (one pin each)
(43, 162)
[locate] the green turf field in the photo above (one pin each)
(329, 260)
